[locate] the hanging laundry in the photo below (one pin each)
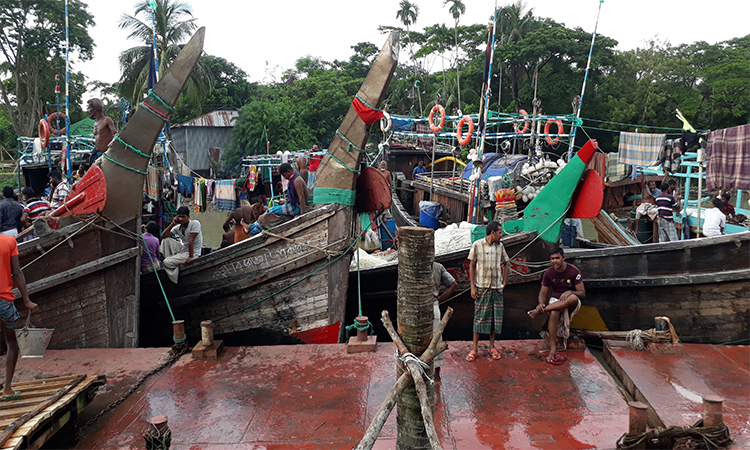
(224, 195)
(598, 164)
(210, 189)
(152, 183)
(185, 185)
(728, 158)
(615, 171)
(199, 203)
(640, 149)
(252, 177)
(670, 159)
(688, 140)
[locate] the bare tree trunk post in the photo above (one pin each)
(414, 317)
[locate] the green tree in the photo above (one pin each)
(457, 9)
(174, 25)
(33, 46)
(514, 22)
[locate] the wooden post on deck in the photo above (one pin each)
(638, 419)
(712, 411)
(414, 315)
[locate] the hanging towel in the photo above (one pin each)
(152, 183)
(199, 202)
(728, 158)
(185, 185)
(640, 149)
(210, 189)
(598, 164)
(224, 196)
(615, 171)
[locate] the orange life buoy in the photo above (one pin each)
(550, 140)
(437, 128)
(44, 132)
(525, 128)
(56, 116)
(461, 122)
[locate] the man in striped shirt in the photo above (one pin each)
(60, 189)
(666, 204)
(34, 207)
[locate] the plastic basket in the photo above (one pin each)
(33, 342)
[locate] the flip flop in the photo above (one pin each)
(16, 394)
(471, 356)
(556, 359)
(494, 354)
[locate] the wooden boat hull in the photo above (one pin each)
(702, 285)
(287, 287)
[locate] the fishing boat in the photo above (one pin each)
(83, 267)
(292, 278)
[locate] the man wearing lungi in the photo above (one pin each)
(488, 273)
(564, 282)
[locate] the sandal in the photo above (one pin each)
(16, 394)
(556, 359)
(471, 356)
(494, 354)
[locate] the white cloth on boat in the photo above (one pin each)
(173, 256)
(646, 209)
(563, 328)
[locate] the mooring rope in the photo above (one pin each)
(694, 437)
(423, 366)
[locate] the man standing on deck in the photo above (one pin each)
(666, 204)
(190, 245)
(10, 213)
(440, 277)
(60, 189)
(417, 170)
(296, 199)
(566, 286)
(104, 129)
(488, 273)
(10, 274)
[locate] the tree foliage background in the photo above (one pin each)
(709, 83)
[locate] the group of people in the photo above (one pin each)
(560, 295)
(15, 215)
(722, 213)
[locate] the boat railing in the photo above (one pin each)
(446, 180)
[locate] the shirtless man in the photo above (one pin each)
(245, 213)
(104, 129)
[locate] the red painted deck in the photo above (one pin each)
(674, 384)
(317, 396)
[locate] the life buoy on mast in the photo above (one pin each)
(560, 130)
(436, 128)
(525, 128)
(461, 122)
(385, 122)
(44, 132)
(56, 116)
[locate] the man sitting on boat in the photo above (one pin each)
(715, 220)
(648, 205)
(60, 189)
(666, 204)
(150, 253)
(248, 214)
(296, 199)
(728, 210)
(417, 170)
(189, 246)
(563, 284)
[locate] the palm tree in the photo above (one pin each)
(457, 8)
(408, 16)
(174, 23)
(514, 24)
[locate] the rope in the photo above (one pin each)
(58, 244)
(153, 95)
(142, 172)
(694, 437)
(154, 111)
(356, 325)
(158, 441)
(341, 162)
(351, 144)
(423, 366)
(135, 150)
(367, 104)
(151, 258)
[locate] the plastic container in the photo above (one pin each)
(429, 213)
(33, 342)
(478, 232)
(389, 224)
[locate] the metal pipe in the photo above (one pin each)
(67, 93)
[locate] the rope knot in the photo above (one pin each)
(423, 366)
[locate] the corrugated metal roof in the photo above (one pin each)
(213, 119)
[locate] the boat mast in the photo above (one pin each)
(583, 89)
(69, 170)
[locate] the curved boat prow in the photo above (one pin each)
(125, 167)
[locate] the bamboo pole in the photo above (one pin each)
(405, 380)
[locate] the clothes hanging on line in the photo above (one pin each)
(728, 158)
(671, 156)
(224, 195)
(640, 149)
(250, 180)
(185, 185)
(152, 183)
(615, 171)
(200, 195)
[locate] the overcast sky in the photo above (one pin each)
(265, 38)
